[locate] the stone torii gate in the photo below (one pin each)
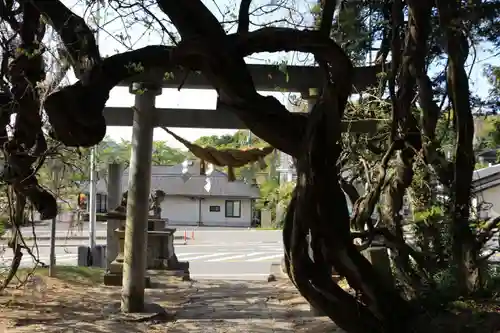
(144, 117)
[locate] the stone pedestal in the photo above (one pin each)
(155, 224)
(379, 258)
(266, 219)
(112, 241)
(116, 220)
(113, 201)
(116, 265)
(114, 276)
(160, 255)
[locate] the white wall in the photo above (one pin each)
(490, 197)
(180, 210)
(219, 218)
(188, 211)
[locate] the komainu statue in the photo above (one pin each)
(155, 200)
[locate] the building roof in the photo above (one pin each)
(169, 179)
(486, 172)
(490, 152)
(485, 178)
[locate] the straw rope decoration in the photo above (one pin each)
(232, 158)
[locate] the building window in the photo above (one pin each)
(214, 208)
(101, 204)
(233, 208)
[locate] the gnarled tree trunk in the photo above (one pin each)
(381, 308)
(465, 249)
(318, 206)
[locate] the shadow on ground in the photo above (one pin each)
(72, 305)
(77, 311)
(241, 300)
(464, 316)
(232, 306)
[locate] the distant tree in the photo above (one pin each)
(489, 134)
(216, 141)
(272, 195)
(242, 139)
(110, 151)
(77, 162)
(492, 74)
(165, 155)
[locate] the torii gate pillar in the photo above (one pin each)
(139, 186)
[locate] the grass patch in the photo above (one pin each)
(467, 316)
(88, 276)
(268, 228)
(3, 224)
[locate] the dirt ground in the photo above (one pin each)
(77, 302)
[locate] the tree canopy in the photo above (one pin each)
(417, 84)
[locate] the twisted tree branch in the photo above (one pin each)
(75, 34)
(244, 17)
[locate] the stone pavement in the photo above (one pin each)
(235, 307)
(247, 307)
(174, 306)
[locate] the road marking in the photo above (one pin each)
(271, 248)
(65, 259)
(201, 231)
(228, 244)
(182, 255)
(229, 275)
(266, 258)
(205, 256)
(237, 256)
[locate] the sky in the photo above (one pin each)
(113, 30)
(171, 98)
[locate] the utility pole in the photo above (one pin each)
(52, 262)
(92, 201)
(56, 168)
(93, 180)
(370, 33)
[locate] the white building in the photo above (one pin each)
(286, 169)
(486, 191)
(189, 201)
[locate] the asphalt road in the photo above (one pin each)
(214, 253)
(67, 230)
(63, 230)
(235, 254)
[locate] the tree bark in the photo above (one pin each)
(404, 123)
(329, 225)
(27, 145)
(69, 109)
(464, 248)
(313, 140)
